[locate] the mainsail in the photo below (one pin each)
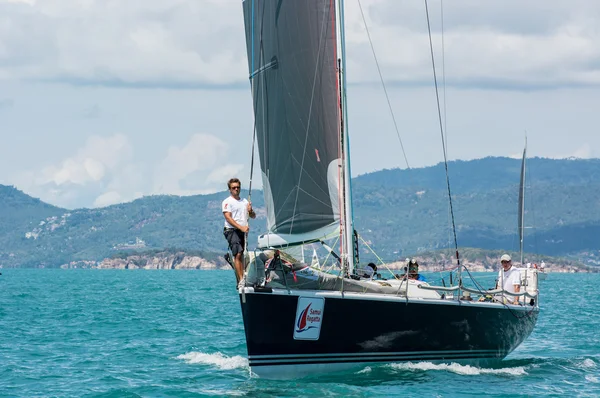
(293, 73)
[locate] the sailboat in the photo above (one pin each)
(540, 273)
(298, 319)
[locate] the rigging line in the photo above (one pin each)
(341, 199)
(444, 101)
(381, 261)
(252, 86)
(477, 284)
(330, 254)
(383, 84)
(437, 96)
(252, 162)
(294, 161)
(310, 109)
(252, 27)
(444, 75)
(250, 182)
(349, 225)
(253, 143)
(341, 171)
(255, 100)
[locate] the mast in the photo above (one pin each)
(348, 218)
(522, 203)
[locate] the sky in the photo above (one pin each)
(105, 101)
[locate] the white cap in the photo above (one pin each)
(505, 257)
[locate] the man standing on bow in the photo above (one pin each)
(509, 278)
(236, 212)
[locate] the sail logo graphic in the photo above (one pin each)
(301, 324)
(309, 317)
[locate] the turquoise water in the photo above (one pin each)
(121, 333)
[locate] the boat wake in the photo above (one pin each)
(466, 370)
(218, 360)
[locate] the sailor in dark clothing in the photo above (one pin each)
(370, 271)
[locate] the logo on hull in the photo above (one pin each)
(309, 316)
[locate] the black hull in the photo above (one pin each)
(362, 328)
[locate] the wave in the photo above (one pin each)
(459, 369)
(587, 363)
(592, 379)
(218, 360)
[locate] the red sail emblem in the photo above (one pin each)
(302, 321)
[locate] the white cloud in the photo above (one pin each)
(185, 42)
(485, 43)
(107, 199)
(79, 178)
(583, 152)
(47, 48)
(90, 163)
(103, 172)
(220, 175)
(142, 42)
(204, 159)
(28, 2)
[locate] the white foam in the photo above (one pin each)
(459, 369)
(587, 363)
(222, 393)
(365, 370)
(592, 379)
(219, 360)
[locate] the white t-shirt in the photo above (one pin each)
(238, 210)
(512, 277)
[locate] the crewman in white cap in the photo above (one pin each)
(509, 278)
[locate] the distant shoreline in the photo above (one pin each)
(183, 261)
(434, 262)
(227, 268)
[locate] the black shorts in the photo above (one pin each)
(235, 238)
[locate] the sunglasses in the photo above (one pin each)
(236, 187)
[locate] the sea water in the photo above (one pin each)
(137, 333)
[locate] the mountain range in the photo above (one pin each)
(398, 212)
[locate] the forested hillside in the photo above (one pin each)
(397, 212)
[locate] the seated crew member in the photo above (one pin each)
(370, 271)
(413, 271)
